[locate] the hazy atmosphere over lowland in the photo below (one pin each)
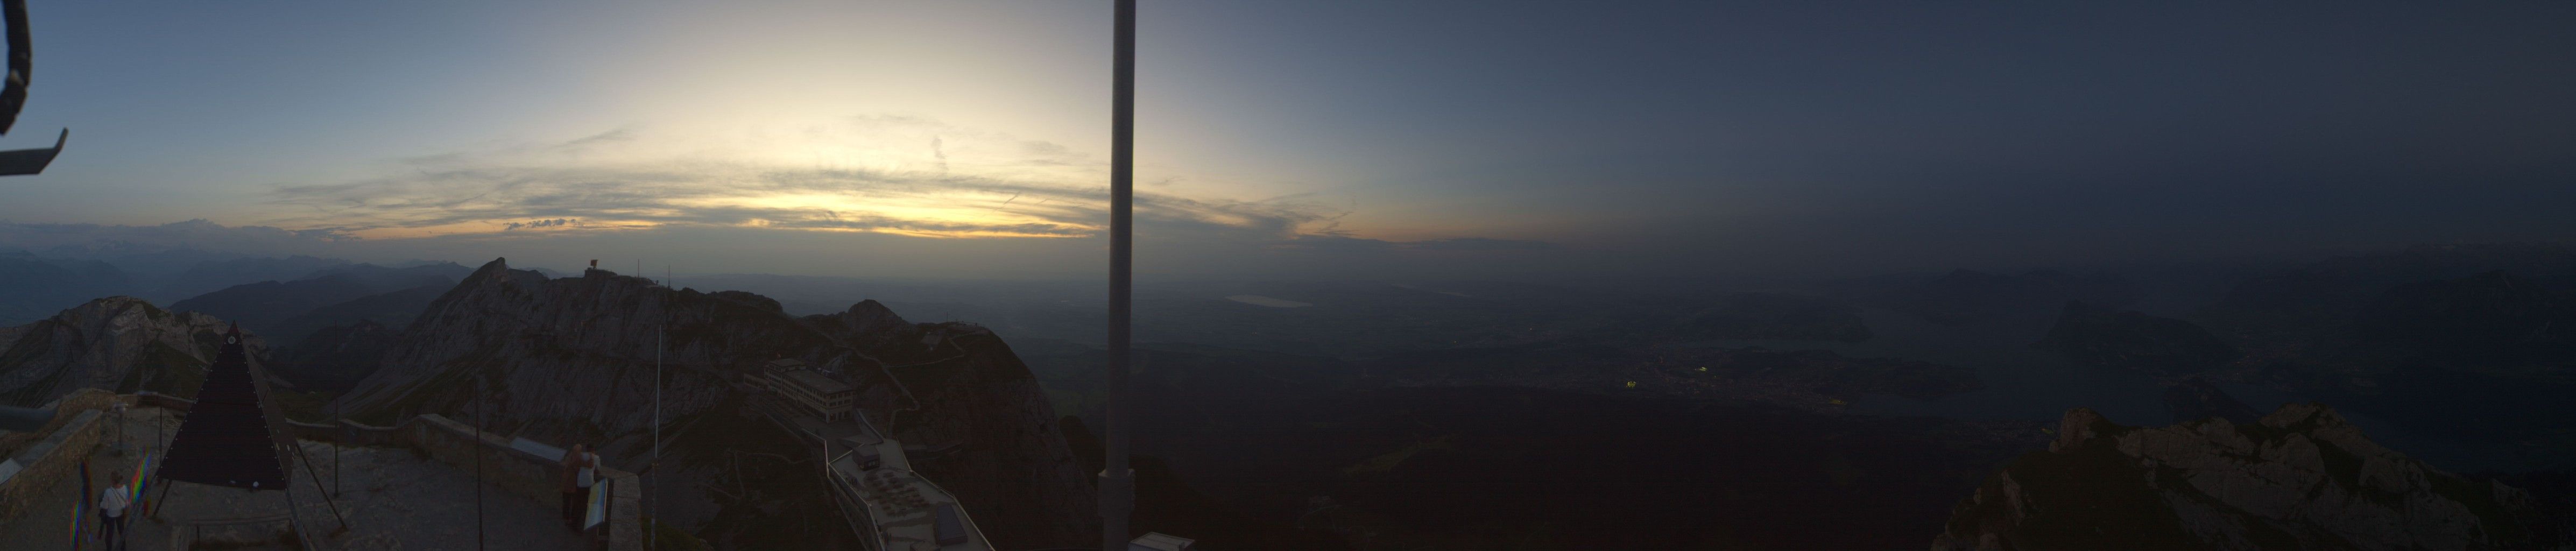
(1299, 140)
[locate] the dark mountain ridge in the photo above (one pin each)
(120, 343)
(288, 310)
(2103, 337)
(33, 288)
(2300, 478)
(571, 360)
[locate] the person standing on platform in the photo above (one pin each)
(580, 472)
(111, 512)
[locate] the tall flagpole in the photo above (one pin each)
(659, 336)
(1117, 482)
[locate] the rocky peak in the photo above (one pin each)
(869, 316)
(2301, 478)
(572, 360)
(119, 343)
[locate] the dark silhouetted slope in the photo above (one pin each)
(118, 343)
(268, 306)
(571, 359)
(2302, 478)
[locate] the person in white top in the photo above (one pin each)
(111, 512)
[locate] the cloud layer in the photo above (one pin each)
(896, 175)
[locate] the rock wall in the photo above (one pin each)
(53, 458)
(2301, 478)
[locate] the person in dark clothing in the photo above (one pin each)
(579, 467)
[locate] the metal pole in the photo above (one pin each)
(478, 462)
(659, 338)
(317, 483)
(1117, 482)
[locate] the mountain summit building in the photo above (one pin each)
(811, 391)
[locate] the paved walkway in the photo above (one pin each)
(393, 498)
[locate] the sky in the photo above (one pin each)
(1337, 140)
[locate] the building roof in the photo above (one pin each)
(1158, 541)
(817, 382)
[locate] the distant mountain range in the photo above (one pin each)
(1329, 413)
(33, 288)
(206, 277)
(286, 311)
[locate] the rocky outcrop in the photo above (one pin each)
(571, 360)
(2096, 336)
(2301, 478)
(118, 343)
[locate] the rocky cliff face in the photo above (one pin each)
(2301, 478)
(571, 359)
(118, 343)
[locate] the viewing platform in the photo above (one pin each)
(409, 487)
(888, 505)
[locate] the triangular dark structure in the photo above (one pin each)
(234, 436)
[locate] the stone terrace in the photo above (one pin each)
(394, 498)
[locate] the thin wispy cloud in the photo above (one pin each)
(967, 184)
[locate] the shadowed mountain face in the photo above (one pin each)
(288, 310)
(336, 357)
(118, 343)
(393, 310)
(2482, 359)
(572, 360)
(2302, 478)
(1503, 467)
(2102, 337)
(215, 275)
(1456, 449)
